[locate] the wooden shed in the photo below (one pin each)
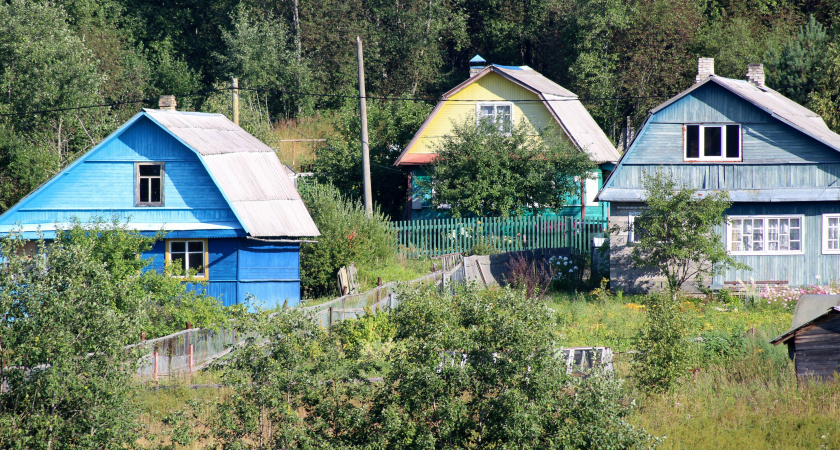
(814, 338)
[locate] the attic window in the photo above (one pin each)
(148, 184)
(496, 114)
(719, 142)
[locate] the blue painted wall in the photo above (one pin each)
(101, 185)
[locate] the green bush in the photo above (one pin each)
(347, 235)
(663, 353)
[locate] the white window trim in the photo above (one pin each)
(631, 235)
(825, 249)
(478, 106)
(801, 250)
(702, 137)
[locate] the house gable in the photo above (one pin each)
(460, 106)
(775, 155)
(101, 182)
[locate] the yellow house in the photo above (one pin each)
(508, 95)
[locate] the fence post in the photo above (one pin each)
(190, 347)
(330, 321)
(155, 365)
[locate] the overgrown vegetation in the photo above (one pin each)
(487, 171)
(473, 368)
(348, 235)
(676, 232)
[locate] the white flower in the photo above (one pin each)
(575, 267)
(571, 271)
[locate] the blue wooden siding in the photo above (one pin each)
(765, 140)
(795, 269)
(731, 176)
(103, 183)
(268, 272)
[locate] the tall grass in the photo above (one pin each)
(745, 397)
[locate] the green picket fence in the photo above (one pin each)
(427, 238)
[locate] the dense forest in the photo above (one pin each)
(296, 59)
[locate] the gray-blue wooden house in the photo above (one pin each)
(778, 161)
(225, 202)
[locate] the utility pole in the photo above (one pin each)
(365, 149)
(234, 99)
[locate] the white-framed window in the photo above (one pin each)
(498, 114)
(831, 234)
(149, 179)
(634, 231)
(712, 142)
(764, 235)
(188, 255)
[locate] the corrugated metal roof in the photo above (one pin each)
(246, 170)
(774, 103)
(809, 308)
(581, 128)
(534, 80)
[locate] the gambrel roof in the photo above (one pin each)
(247, 172)
(564, 106)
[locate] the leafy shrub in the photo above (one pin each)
(347, 235)
(530, 275)
(368, 329)
(663, 353)
(717, 345)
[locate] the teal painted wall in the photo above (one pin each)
(795, 269)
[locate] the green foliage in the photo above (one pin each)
(257, 51)
(799, 63)
(479, 368)
(369, 329)
(678, 235)
(347, 235)
(663, 353)
(392, 124)
(69, 308)
(482, 171)
(470, 369)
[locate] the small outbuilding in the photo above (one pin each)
(814, 338)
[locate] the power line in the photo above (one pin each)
(346, 96)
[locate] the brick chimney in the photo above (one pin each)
(755, 74)
(477, 64)
(167, 103)
(705, 69)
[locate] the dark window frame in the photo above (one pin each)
(138, 182)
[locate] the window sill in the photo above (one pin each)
(776, 253)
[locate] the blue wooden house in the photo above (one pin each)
(778, 161)
(507, 96)
(229, 211)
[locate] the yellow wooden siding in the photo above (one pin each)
(491, 87)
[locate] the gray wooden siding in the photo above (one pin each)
(817, 348)
(795, 269)
(732, 176)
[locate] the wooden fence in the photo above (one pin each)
(428, 238)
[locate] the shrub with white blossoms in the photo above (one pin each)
(568, 270)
